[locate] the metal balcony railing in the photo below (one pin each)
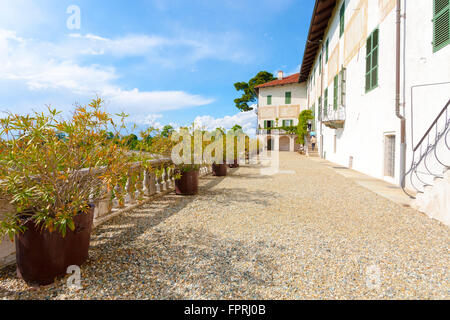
(333, 118)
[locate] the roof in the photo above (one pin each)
(323, 10)
(286, 80)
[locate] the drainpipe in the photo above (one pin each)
(397, 97)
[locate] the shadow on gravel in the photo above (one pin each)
(131, 259)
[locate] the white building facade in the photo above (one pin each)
(368, 64)
(279, 105)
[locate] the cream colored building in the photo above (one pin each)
(378, 78)
(279, 105)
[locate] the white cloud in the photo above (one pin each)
(48, 68)
(150, 120)
(247, 120)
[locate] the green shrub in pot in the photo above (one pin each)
(50, 170)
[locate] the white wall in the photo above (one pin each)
(369, 116)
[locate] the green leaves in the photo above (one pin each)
(302, 127)
(249, 94)
(48, 164)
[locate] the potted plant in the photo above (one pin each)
(220, 169)
(187, 167)
(51, 171)
(237, 129)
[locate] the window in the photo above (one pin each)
(441, 24)
(342, 20)
(325, 102)
(268, 124)
(372, 61)
(269, 100)
(326, 50)
(389, 155)
(287, 97)
(288, 123)
(335, 93)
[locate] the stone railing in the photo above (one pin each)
(142, 185)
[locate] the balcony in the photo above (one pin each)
(334, 118)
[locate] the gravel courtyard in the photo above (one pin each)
(310, 235)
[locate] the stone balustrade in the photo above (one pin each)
(142, 185)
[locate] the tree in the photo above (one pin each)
(249, 94)
(302, 128)
(236, 127)
(131, 141)
(167, 131)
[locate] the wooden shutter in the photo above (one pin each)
(320, 109)
(287, 98)
(372, 61)
(269, 100)
(342, 20)
(342, 86)
(320, 63)
(335, 93)
(325, 105)
(265, 124)
(441, 24)
(326, 50)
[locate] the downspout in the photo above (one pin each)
(321, 98)
(397, 97)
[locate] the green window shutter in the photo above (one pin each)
(325, 103)
(372, 60)
(342, 86)
(265, 124)
(335, 92)
(326, 50)
(287, 97)
(320, 64)
(269, 100)
(441, 24)
(342, 20)
(320, 108)
(284, 123)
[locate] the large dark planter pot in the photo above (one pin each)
(187, 184)
(234, 165)
(219, 170)
(43, 256)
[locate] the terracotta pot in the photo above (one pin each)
(219, 170)
(43, 256)
(187, 184)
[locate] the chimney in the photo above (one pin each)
(280, 75)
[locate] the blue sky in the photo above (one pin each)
(160, 61)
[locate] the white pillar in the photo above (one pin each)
(276, 140)
(292, 144)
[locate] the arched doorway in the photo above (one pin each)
(285, 143)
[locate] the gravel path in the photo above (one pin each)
(309, 235)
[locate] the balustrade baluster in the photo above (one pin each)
(130, 187)
(140, 183)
